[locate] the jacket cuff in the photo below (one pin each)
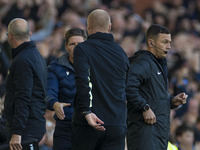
(142, 105)
(84, 113)
(18, 132)
(50, 103)
(172, 106)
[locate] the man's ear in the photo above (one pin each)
(30, 33)
(150, 42)
(109, 28)
(66, 46)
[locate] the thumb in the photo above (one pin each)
(65, 104)
(183, 95)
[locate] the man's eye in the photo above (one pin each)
(72, 44)
(167, 41)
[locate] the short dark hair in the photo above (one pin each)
(75, 32)
(154, 30)
(182, 129)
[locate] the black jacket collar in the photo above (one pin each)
(162, 63)
(25, 45)
(101, 35)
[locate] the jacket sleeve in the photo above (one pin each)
(23, 82)
(52, 87)
(139, 73)
(170, 98)
(82, 78)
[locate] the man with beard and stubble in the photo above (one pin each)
(148, 99)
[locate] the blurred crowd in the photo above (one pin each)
(49, 19)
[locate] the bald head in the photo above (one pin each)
(19, 28)
(98, 21)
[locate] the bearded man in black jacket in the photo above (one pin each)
(24, 105)
(148, 98)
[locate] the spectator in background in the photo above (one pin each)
(118, 26)
(197, 130)
(3, 136)
(46, 21)
(16, 10)
(185, 137)
(4, 59)
(129, 46)
(101, 65)
(24, 105)
(4, 66)
(61, 89)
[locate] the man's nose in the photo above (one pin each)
(169, 46)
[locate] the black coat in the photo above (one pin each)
(101, 67)
(147, 83)
(25, 91)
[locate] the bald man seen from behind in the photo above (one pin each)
(101, 65)
(24, 105)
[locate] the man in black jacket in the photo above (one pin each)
(101, 65)
(148, 99)
(26, 87)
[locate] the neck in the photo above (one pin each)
(71, 60)
(17, 43)
(95, 31)
(152, 51)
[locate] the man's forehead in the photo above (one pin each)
(164, 36)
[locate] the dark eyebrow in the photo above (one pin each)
(166, 40)
(72, 43)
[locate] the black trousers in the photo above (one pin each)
(62, 138)
(88, 138)
(27, 136)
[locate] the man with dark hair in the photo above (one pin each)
(185, 137)
(61, 90)
(148, 99)
(101, 66)
(24, 105)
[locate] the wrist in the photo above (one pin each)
(54, 105)
(84, 113)
(146, 107)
